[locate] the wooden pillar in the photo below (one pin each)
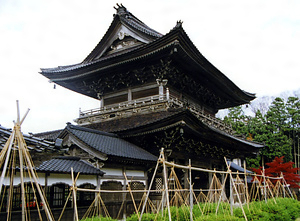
(129, 94)
(161, 84)
(101, 103)
(101, 99)
(167, 94)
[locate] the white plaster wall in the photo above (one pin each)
(66, 178)
(112, 171)
(53, 179)
(92, 179)
(17, 179)
(119, 172)
(135, 173)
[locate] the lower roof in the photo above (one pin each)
(33, 142)
(141, 124)
(64, 165)
(107, 143)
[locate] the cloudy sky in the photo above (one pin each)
(256, 43)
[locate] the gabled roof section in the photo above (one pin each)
(48, 135)
(32, 142)
(105, 70)
(137, 125)
(126, 31)
(107, 143)
(64, 165)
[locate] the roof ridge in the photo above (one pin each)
(71, 126)
(129, 18)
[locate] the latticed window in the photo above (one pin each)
(57, 195)
(158, 183)
(85, 198)
(17, 197)
(135, 185)
(31, 196)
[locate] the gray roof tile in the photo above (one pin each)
(109, 143)
(32, 142)
(64, 165)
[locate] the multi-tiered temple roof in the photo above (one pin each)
(151, 86)
(131, 54)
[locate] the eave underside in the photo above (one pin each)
(171, 57)
(159, 128)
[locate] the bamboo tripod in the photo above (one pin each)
(15, 155)
(174, 195)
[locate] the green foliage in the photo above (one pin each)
(213, 217)
(278, 129)
(236, 118)
(283, 210)
(98, 218)
(146, 217)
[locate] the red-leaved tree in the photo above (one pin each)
(276, 167)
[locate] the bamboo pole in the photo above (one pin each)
(11, 188)
(11, 141)
(74, 196)
(231, 178)
(166, 185)
(265, 188)
(21, 177)
(18, 112)
(286, 184)
(150, 186)
(24, 116)
(191, 193)
(30, 167)
(223, 187)
(136, 210)
(246, 184)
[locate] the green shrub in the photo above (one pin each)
(146, 217)
(219, 217)
(284, 209)
(99, 218)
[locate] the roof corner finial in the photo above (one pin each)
(179, 24)
(120, 8)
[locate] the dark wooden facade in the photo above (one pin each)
(157, 91)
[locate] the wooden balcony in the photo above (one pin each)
(148, 104)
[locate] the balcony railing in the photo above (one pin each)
(125, 105)
(156, 100)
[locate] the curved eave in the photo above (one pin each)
(187, 56)
(191, 123)
(191, 58)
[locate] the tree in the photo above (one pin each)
(276, 116)
(236, 118)
(293, 131)
(278, 128)
(278, 167)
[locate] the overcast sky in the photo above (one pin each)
(255, 43)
